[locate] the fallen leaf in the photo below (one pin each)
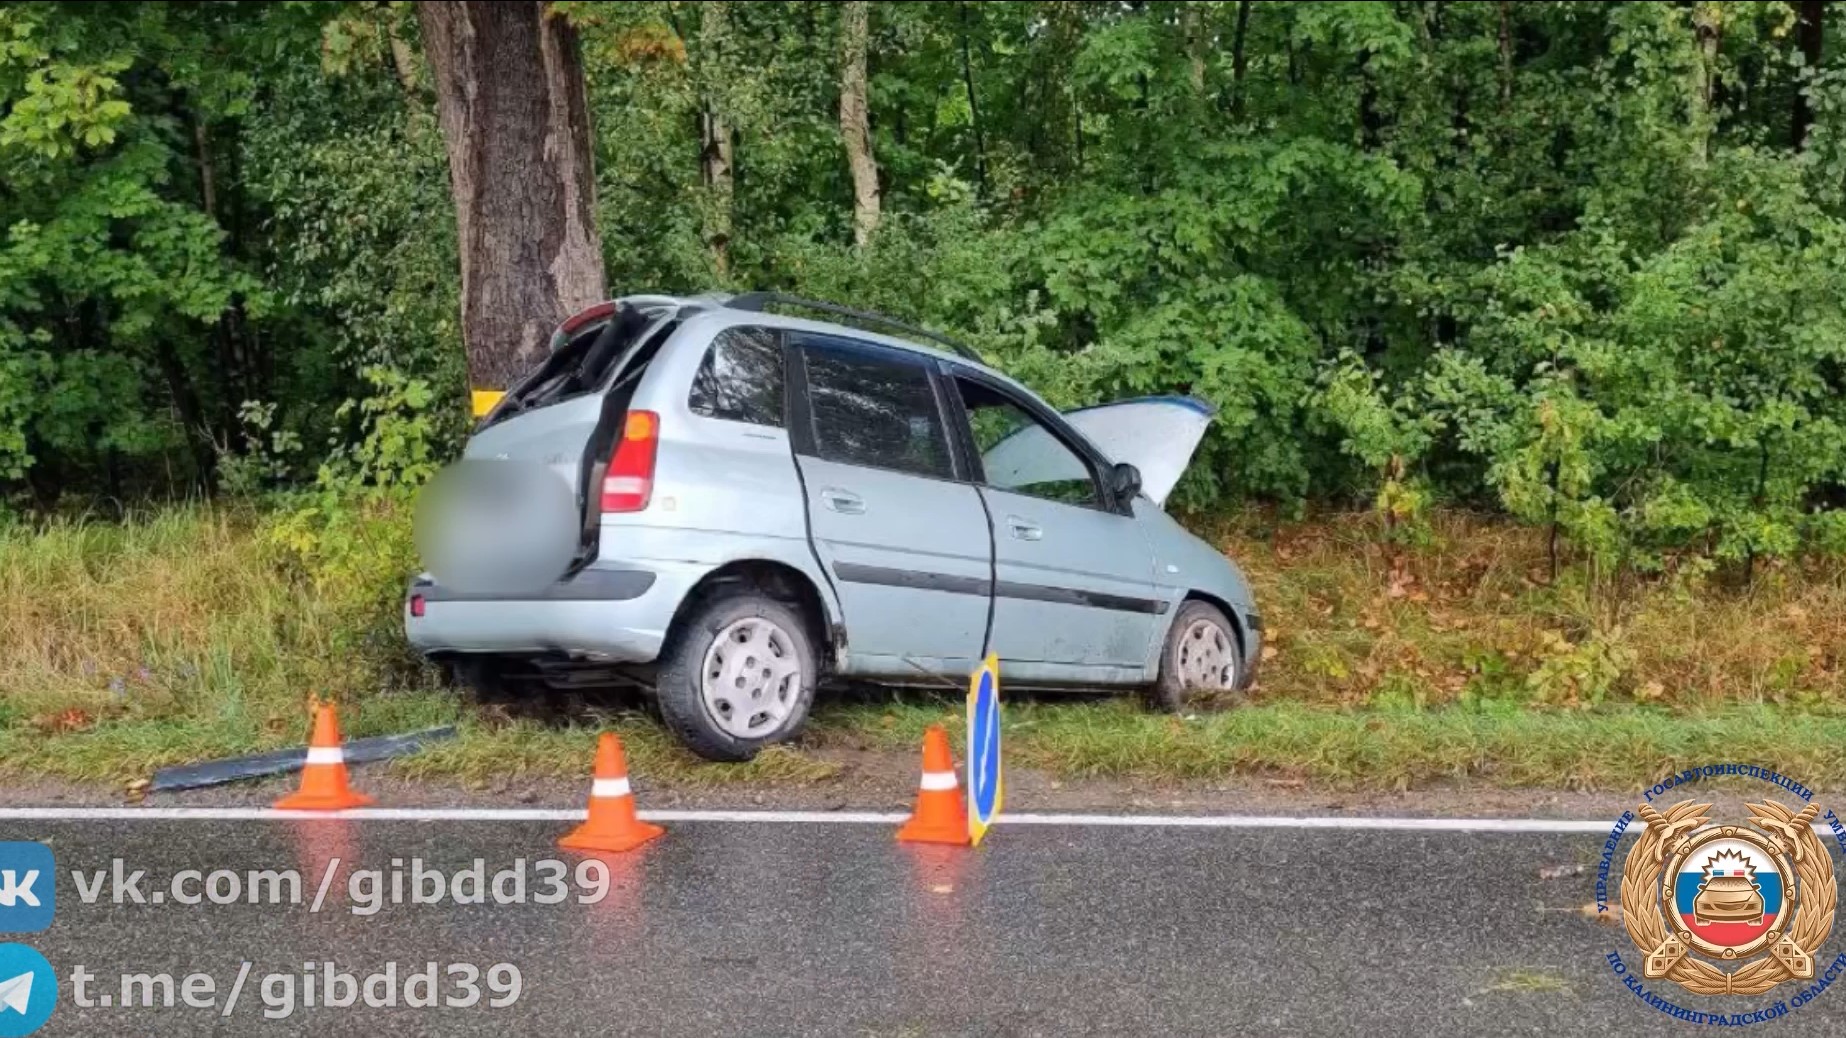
(71, 719)
(1613, 917)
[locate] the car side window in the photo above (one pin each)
(1022, 454)
(740, 379)
(874, 410)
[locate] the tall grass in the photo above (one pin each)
(178, 634)
(1474, 617)
(200, 631)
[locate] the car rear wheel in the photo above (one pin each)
(738, 675)
(1201, 660)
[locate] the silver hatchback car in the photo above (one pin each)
(769, 503)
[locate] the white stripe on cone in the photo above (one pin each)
(615, 787)
(939, 780)
(325, 755)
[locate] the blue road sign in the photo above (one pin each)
(986, 779)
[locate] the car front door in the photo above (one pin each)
(1074, 597)
(901, 532)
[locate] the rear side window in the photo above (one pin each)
(741, 378)
(870, 410)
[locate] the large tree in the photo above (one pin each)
(510, 90)
(855, 122)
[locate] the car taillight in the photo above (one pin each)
(629, 481)
(416, 605)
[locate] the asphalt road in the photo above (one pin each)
(787, 929)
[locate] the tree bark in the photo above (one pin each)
(403, 62)
(1810, 36)
(1506, 53)
(855, 120)
(974, 103)
(510, 95)
(1708, 34)
(1239, 60)
(715, 145)
(1192, 27)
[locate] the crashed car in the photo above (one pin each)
(767, 504)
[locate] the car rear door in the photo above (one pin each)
(894, 522)
(563, 415)
(1074, 598)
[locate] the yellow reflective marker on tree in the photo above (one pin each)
(485, 399)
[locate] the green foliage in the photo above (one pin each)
(1567, 261)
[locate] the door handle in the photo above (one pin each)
(1023, 530)
(842, 501)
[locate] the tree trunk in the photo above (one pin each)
(191, 411)
(715, 147)
(1810, 35)
(1192, 28)
(1239, 59)
(1708, 33)
(974, 103)
(403, 63)
(510, 93)
(1506, 53)
(855, 121)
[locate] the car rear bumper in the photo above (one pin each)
(614, 613)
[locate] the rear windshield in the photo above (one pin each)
(582, 365)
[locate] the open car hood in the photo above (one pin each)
(1156, 434)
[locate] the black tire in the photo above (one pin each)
(1170, 692)
(680, 679)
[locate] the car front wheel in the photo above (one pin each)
(738, 675)
(1202, 658)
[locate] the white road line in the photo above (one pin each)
(543, 814)
(518, 814)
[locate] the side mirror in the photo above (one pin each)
(1125, 481)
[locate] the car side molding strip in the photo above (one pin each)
(856, 573)
(916, 580)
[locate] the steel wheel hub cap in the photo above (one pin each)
(751, 678)
(1204, 657)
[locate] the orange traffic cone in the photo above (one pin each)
(612, 825)
(323, 777)
(940, 816)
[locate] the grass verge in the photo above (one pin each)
(1620, 750)
(196, 633)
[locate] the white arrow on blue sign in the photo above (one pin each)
(986, 780)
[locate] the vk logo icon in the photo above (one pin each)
(28, 990)
(28, 887)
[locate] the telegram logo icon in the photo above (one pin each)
(28, 990)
